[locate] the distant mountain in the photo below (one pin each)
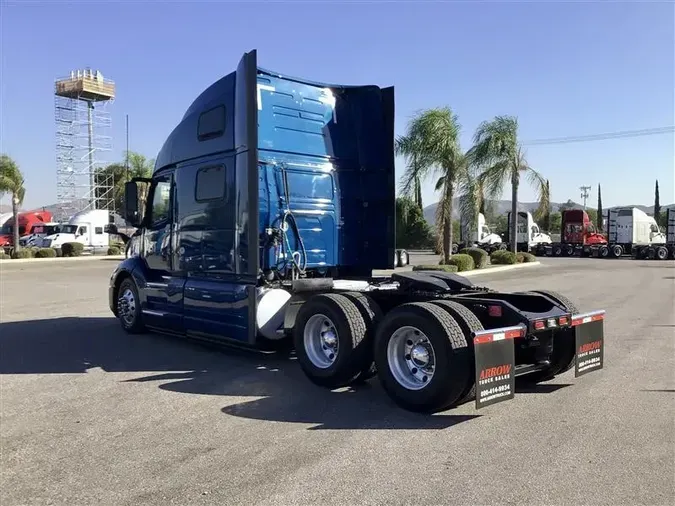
(504, 206)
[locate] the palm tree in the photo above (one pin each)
(11, 181)
(501, 158)
(411, 183)
(138, 166)
(436, 140)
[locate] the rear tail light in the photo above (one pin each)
(495, 311)
(539, 324)
(563, 320)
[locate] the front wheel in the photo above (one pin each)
(129, 307)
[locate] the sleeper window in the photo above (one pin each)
(210, 183)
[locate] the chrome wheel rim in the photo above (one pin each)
(126, 307)
(321, 341)
(411, 358)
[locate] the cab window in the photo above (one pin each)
(161, 199)
(82, 230)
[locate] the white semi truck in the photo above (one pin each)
(630, 231)
(479, 235)
(528, 236)
(657, 249)
(86, 227)
(39, 231)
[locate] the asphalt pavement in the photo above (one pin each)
(90, 415)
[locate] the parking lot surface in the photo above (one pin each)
(90, 415)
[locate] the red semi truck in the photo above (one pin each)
(27, 221)
(577, 235)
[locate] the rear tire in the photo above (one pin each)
(564, 342)
(569, 250)
(422, 357)
(617, 251)
(372, 316)
(469, 323)
(331, 340)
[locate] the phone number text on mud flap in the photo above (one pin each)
(590, 363)
(495, 390)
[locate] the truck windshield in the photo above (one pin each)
(68, 229)
(7, 230)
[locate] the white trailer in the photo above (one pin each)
(5, 217)
(85, 227)
(630, 231)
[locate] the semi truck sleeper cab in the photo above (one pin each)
(270, 205)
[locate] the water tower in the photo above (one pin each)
(83, 137)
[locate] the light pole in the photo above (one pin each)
(584, 194)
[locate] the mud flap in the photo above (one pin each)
(590, 342)
(495, 364)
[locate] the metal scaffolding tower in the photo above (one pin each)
(83, 136)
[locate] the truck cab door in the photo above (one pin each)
(81, 234)
(162, 293)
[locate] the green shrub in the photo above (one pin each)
(4, 256)
(444, 268)
(58, 252)
(463, 262)
(480, 256)
(114, 250)
(23, 253)
(503, 257)
(45, 253)
(72, 249)
(525, 257)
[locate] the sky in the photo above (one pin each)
(564, 69)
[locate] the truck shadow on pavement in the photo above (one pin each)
(282, 393)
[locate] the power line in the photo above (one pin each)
(601, 137)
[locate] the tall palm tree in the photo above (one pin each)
(436, 139)
(11, 181)
(472, 197)
(411, 183)
(501, 158)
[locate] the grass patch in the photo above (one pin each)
(443, 268)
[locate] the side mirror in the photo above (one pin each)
(131, 214)
(111, 228)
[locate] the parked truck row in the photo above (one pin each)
(630, 231)
(270, 205)
(36, 229)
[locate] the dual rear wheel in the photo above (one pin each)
(421, 351)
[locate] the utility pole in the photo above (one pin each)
(584, 194)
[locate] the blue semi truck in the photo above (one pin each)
(271, 204)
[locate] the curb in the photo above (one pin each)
(60, 259)
(501, 268)
(475, 272)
